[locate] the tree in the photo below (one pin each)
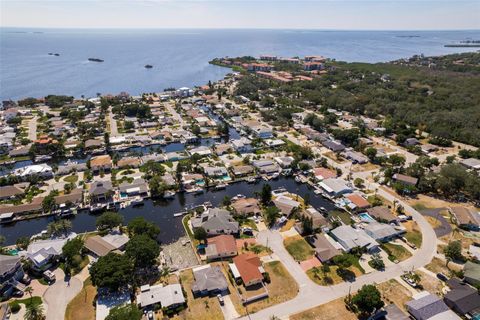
(34, 311)
(108, 221)
(371, 153)
(368, 299)
(22, 242)
(200, 234)
(59, 228)
(143, 250)
(157, 186)
(266, 194)
(139, 226)
(113, 271)
(358, 182)
(453, 251)
(343, 261)
(125, 312)
(29, 290)
(377, 262)
(48, 203)
(271, 215)
(307, 225)
(226, 201)
(72, 252)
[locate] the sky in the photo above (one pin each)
(270, 14)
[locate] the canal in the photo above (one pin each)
(161, 211)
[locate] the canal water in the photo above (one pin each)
(161, 211)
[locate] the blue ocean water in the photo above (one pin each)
(180, 57)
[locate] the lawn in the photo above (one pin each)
(439, 266)
(197, 308)
(298, 248)
(394, 292)
(35, 300)
(399, 252)
(71, 179)
(332, 310)
(413, 234)
(81, 307)
(342, 215)
(288, 225)
(332, 277)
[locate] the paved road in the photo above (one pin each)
(311, 294)
(60, 294)
(32, 129)
(175, 114)
(113, 123)
(445, 227)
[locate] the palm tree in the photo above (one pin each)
(34, 312)
(29, 290)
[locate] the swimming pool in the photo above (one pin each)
(366, 217)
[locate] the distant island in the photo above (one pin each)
(95, 60)
(465, 44)
(54, 54)
(148, 66)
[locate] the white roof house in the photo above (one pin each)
(40, 252)
(41, 169)
(335, 186)
(351, 238)
(166, 296)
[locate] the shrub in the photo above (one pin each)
(15, 306)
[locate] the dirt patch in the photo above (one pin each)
(429, 283)
(440, 266)
(394, 292)
(82, 307)
(332, 310)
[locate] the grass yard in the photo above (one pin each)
(287, 226)
(394, 292)
(71, 179)
(35, 300)
(332, 310)
(439, 266)
(396, 250)
(81, 307)
(413, 234)
(204, 308)
(342, 215)
(298, 248)
(332, 277)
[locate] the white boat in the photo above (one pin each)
(199, 191)
(238, 197)
(136, 201)
(220, 186)
(298, 179)
(169, 194)
(275, 175)
(251, 180)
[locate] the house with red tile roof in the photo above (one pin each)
(248, 268)
(324, 173)
(222, 246)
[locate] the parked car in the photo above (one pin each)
(150, 315)
(220, 299)
(49, 276)
(442, 277)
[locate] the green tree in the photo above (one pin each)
(108, 221)
(157, 186)
(371, 153)
(200, 234)
(453, 251)
(143, 250)
(271, 215)
(139, 225)
(59, 228)
(377, 262)
(34, 311)
(48, 203)
(125, 312)
(113, 271)
(368, 299)
(266, 194)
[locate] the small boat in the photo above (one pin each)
(95, 60)
(169, 194)
(179, 214)
(137, 201)
(251, 180)
(275, 175)
(148, 66)
(220, 186)
(207, 204)
(298, 179)
(199, 191)
(238, 197)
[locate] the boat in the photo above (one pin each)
(179, 214)
(275, 175)
(137, 201)
(199, 191)
(95, 60)
(148, 66)
(220, 186)
(169, 194)
(251, 180)
(298, 179)
(238, 197)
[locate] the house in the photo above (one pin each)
(471, 163)
(70, 167)
(201, 151)
(284, 162)
(74, 198)
(11, 275)
(103, 162)
(242, 145)
(169, 180)
(43, 253)
(248, 268)
(335, 187)
(216, 172)
(98, 246)
(138, 187)
(429, 306)
(404, 179)
(92, 144)
(286, 204)
(466, 218)
(462, 298)
(471, 273)
(169, 296)
(43, 170)
(357, 202)
(355, 157)
(242, 171)
(325, 247)
(382, 232)
(382, 214)
(262, 132)
(391, 312)
(410, 142)
(222, 148)
(209, 280)
(221, 246)
(246, 206)
(427, 148)
(216, 221)
(15, 210)
(184, 92)
(100, 191)
(129, 162)
(333, 145)
(10, 192)
(351, 238)
(323, 173)
(266, 166)
(318, 220)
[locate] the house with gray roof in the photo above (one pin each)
(333, 145)
(11, 273)
(429, 306)
(101, 190)
(325, 247)
(351, 238)
(216, 221)
(138, 187)
(471, 273)
(471, 163)
(169, 296)
(462, 298)
(382, 232)
(335, 187)
(209, 280)
(382, 214)
(42, 253)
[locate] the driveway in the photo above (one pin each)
(32, 129)
(228, 308)
(113, 123)
(445, 227)
(59, 294)
(311, 294)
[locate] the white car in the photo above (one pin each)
(150, 315)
